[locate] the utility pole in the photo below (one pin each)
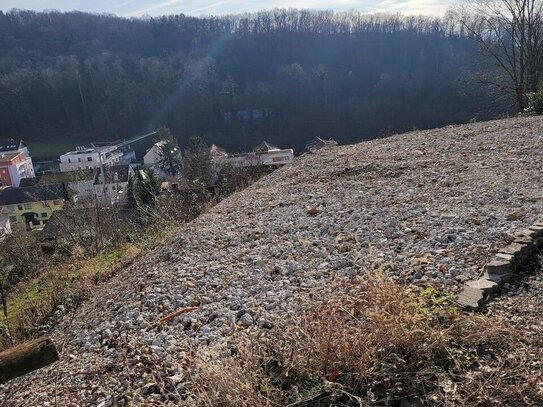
(103, 180)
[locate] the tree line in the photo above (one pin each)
(283, 75)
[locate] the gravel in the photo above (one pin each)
(428, 207)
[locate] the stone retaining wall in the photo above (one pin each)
(504, 264)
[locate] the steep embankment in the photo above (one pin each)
(424, 207)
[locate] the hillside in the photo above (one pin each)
(284, 75)
(424, 208)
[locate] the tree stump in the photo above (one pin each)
(27, 357)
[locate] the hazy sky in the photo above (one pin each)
(136, 8)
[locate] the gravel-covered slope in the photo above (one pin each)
(424, 207)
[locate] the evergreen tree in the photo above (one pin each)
(197, 162)
(143, 190)
(170, 153)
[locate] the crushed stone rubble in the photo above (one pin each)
(427, 207)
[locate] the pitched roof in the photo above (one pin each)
(317, 141)
(59, 177)
(11, 196)
(11, 145)
(113, 173)
(265, 146)
(61, 221)
(216, 150)
(6, 157)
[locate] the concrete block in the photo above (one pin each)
(499, 279)
(520, 251)
(470, 298)
(499, 266)
(538, 229)
(526, 233)
(525, 241)
(487, 286)
(508, 257)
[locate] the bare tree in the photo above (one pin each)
(511, 32)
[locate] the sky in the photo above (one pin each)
(138, 8)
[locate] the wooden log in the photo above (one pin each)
(27, 357)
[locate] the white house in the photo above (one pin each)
(90, 157)
(112, 188)
(152, 156)
(263, 154)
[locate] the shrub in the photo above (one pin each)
(372, 341)
(535, 103)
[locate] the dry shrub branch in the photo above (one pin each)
(369, 342)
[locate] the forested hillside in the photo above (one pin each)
(283, 76)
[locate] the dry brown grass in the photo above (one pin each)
(371, 342)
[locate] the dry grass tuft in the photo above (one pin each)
(369, 342)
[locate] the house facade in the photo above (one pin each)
(152, 156)
(80, 182)
(15, 163)
(317, 143)
(263, 154)
(90, 157)
(111, 188)
(31, 207)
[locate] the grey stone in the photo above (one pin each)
(518, 250)
(497, 278)
(538, 229)
(470, 298)
(246, 320)
(527, 242)
(487, 286)
(148, 389)
(525, 233)
(499, 266)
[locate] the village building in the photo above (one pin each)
(152, 156)
(128, 153)
(263, 154)
(94, 157)
(33, 206)
(80, 182)
(15, 163)
(317, 143)
(90, 157)
(111, 188)
(217, 151)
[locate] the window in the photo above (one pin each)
(36, 222)
(43, 214)
(69, 160)
(79, 159)
(89, 158)
(20, 207)
(27, 206)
